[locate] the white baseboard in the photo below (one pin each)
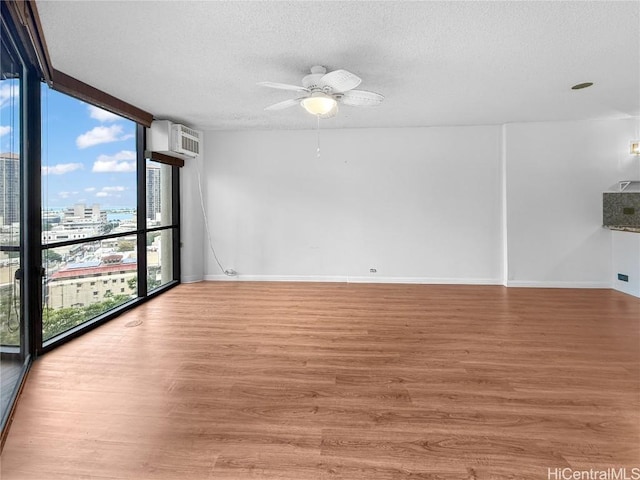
(550, 284)
(406, 280)
(191, 279)
(276, 278)
(347, 279)
(427, 280)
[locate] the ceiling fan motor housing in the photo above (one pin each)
(311, 81)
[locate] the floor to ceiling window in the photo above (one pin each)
(109, 216)
(88, 227)
(13, 334)
(89, 212)
(161, 224)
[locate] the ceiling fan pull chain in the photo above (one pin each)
(318, 136)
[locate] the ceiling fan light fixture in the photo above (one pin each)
(318, 103)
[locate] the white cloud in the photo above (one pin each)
(66, 194)
(99, 135)
(123, 161)
(110, 191)
(102, 115)
(8, 93)
(61, 168)
(90, 189)
(4, 129)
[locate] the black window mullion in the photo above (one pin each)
(31, 212)
(142, 209)
(78, 241)
(160, 228)
(175, 210)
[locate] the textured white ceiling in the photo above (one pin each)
(437, 63)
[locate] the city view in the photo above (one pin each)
(89, 190)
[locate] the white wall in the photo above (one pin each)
(191, 223)
(519, 204)
(555, 175)
(626, 260)
(419, 204)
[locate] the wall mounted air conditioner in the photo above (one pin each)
(173, 139)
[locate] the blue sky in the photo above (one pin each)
(88, 154)
(9, 115)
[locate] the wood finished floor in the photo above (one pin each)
(339, 381)
(10, 376)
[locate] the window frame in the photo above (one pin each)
(140, 232)
(28, 104)
(21, 22)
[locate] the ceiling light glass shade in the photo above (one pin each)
(318, 103)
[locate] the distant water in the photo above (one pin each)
(119, 216)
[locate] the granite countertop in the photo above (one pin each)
(621, 211)
(623, 228)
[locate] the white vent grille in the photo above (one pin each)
(186, 140)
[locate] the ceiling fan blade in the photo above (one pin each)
(361, 98)
(283, 86)
(331, 113)
(340, 81)
(286, 104)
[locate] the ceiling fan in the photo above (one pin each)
(322, 91)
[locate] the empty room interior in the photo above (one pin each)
(301, 240)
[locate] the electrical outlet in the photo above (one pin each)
(373, 270)
(623, 278)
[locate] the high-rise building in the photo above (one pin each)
(80, 213)
(9, 188)
(78, 221)
(153, 191)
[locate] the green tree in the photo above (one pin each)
(9, 317)
(151, 237)
(56, 321)
(151, 283)
(50, 256)
(107, 227)
(125, 246)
